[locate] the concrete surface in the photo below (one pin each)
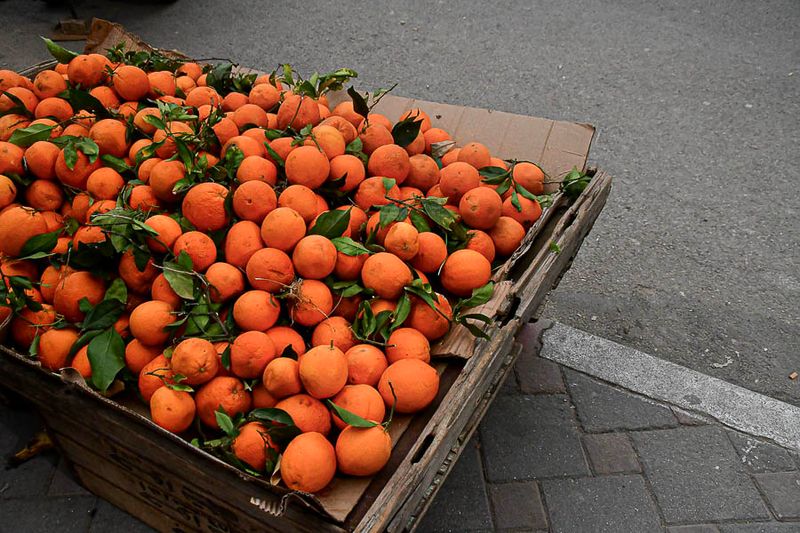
(695, 258)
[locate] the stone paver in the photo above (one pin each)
(611, 504)
(108, 518)
(783, 493)
(603, 408)
(699, 528)
(697, 476)
(611, 453)
(467, 506)
(768, 527)
(526, 437)
(538, 376)
(761, 456)
(47, 515)
(518, 506)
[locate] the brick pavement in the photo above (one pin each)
(558, 451)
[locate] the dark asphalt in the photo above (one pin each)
(695, 258)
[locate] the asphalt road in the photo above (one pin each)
(696, 256)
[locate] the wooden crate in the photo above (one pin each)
(120, 455)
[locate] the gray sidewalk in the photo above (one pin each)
(558, 451)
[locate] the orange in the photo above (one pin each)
(162, 290)
(481, 243)
(48, 83)
(251, 351)
(374, 136)
(137, 355)
(418, 115)
(76, 176)
(433, 323)
(386, 274)
(26, 96)
(203, 96)
(262, 398)
(346, 111)
(110, 137)
(270, 269)
(407, 343)
(507, 235)
(148, 320)
(301, 199)
(348, 167)
(104, 184)
(153, 376)
(265, 96)
(86, 71)
(362, 400)
(130, 82)
(334, 331)
(345, 128)
(307, 165)
(402, 240)
(323, 371)
(480, 207)
(27, 324)
(225, 392)
(297, 111)
(256, 311)
(308, 414)
(199, 247)
(189, 69)
(11, 159)
(415, 384)
(283, 337)
(233, 101)
(225, 130)
(257, 168)
(168, 232)
(250, 115)
(328, 139)
(529, 211)
(450, 157)
(458, 178)
(363, 451)
(530, 176)
(365, 364)
(225, 281)
(434, 135)
(312, 303)
(253, 200)
(372, 191)
(432, 253)
(163, 177)
(282, 228)
(475, 154)
(196, 360)
(81, 363)
(41, 159)
(282, 146)
(314, 257)
(162, 83)
(43, 195)
(250, 445)
(242, 241)
(172, 410)
(464, 271)
(72, 289)
(143, 198)
(390, 161)
(174, 130)
(348, 267)
(308, 463)
(281, 377)
(138, 281)
(54, 347)
(204, 206)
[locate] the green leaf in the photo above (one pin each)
(359, 104)
(271, 415)
(25, 137)
(515, 200)
(43, 243)
(106, 357)
(155, 122)
(401, 311)
(390, 213)
(220, 77)
(225, 423)
(103, 315)
(117, 291)
(479, 296)
(355, 147)
(350, 418)
(70, 156)
(115, 162)
(225, 358)
(475, 330)
(19, 107)
(33, 350)
(61, 54)
(437, 213)
(185, 261)
(389, 183)
(182, 282)
(406, 131)
(419, 221)
(348, 246)
(525, 193)
(82, 100)
(274, 155)
(491, 174)
(331, 223)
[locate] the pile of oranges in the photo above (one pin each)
(265, 270)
